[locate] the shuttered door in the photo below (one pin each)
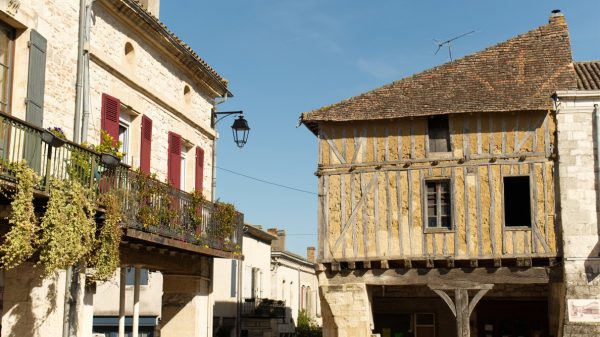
(111, 111)
(199, 168)
(174, 161)
(36, 80)
(146, 145)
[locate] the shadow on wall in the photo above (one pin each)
(20, 295)
(592, 268)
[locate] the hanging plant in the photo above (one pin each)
(224, 214)
(19, 242)
(194, 211)
(68, 227)
(106, 257)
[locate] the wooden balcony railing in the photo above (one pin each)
(148, 204)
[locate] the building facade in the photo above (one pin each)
(275, 285)
(578, 124)
(112, 66)
(438, 197)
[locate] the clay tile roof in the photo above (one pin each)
(518, 74)
(588, 75)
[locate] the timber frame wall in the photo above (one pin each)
(371, 187)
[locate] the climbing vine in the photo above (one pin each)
(68, 227)
(20, 242)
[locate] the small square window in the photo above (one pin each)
(439, 133)
(517, 205)
(438, 204)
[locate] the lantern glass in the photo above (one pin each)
(240, 131)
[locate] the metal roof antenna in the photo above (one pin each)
(440, 44)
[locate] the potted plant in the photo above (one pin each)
(54, 136)
(109, 150)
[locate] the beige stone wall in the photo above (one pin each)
(578, 178)
(148, 80)
(372, 175)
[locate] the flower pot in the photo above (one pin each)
(52, 139)
(109, 159)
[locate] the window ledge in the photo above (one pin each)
(517, 228)
(440, 155)
(437, 230)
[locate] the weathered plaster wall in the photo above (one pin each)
(372, 178)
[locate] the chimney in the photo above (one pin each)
(556, 16)
(274, 243)
(310, 254)
(152, 6)
(281, 240)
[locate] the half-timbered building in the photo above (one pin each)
(437, 197)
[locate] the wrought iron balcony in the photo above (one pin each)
(263, 307)
(149, 205)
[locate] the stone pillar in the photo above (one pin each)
(33, 306)
(578, 186)
(346, 310)
(184, 307)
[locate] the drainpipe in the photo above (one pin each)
(597, 137)
(86, 74)
(79, 80)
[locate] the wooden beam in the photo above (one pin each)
(463, 277)
(446, 299)
(399, 212)
(478, 210)
(355, 211)
(333, 148)
(388, 199)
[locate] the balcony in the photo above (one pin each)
(263, 308)
(151, 208)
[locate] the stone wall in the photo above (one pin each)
(346, 310)
(578, 179)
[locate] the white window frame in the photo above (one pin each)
(125, 144)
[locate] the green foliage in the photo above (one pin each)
(106, 255)
(20, 242)
(194, 210)
(306, 326)
(68, 227)
(223, 216)
(154, 200)
(109, 145)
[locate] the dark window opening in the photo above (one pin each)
(517, 205)
(439, 133)
(438, 204)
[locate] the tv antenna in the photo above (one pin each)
(448, 42)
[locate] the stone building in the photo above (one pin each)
(112, 65)
(578, 127)
(275, 285)
(438, 197)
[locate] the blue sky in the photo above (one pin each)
(285, 57)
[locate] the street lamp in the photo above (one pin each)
(240, 131)
(239, 128)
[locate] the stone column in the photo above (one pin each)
(33, 306)
(578, 186)
(346, 310)
(184, 307)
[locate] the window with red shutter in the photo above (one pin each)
(174, 161)
(111, 109)
(146, 145)
(199, 168)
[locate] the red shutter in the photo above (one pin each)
(174, 161)
(199, 168)
(146, 145)
(111, 109)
